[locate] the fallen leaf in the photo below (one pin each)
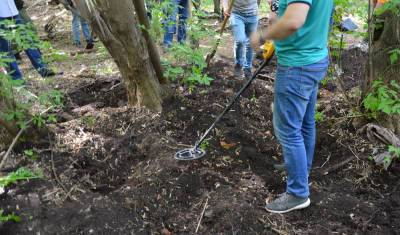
(226, 145)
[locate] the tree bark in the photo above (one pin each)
(117, 27)
(385, 39)
(153, 51)
(217, 6)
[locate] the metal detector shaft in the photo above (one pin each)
(228, 107)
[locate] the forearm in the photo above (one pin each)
(279, 30)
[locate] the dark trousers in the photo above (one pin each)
(33, 54)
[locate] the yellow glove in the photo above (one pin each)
(268, 50)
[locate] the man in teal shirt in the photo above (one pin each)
(301, 39)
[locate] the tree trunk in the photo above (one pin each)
(385, 39)
(117, 27)
(153, 51)
(217, 7)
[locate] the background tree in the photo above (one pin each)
(118, 27)
(384, 61)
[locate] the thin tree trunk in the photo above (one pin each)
(153, 51)
(217, 6)
(385, 39)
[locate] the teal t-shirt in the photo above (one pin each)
(309, 44)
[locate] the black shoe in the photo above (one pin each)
(247, 73)
(49, 73)
(89, 46)
(238, 71)
(18, 56)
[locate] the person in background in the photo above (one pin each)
(8, 11)
(20, 4)
(77, 23)
(244, 22)
(301, 39)
(379, 23)
(379, 3)
(273, 15)
(180, 9)
(22, 12)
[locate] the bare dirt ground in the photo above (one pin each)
(117, 174)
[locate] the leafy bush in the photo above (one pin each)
(20, 174)
(18, 103)
(383, 98)
(186, 62)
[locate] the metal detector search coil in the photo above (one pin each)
(189, 154)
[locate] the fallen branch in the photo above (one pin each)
(338, 166)
(201, 216)
(375, 132)
(343, 163)
(3, 161)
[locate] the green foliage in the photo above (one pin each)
(20, 174)
(20, 103)
(383, 98)
(204, 145)
(159, 10)
(392, 5)
(394, 150)
(30, 153)
(253, 98)
(319, 116)
(186, 62)
(6, 218)
(89, 121)
(183, 62)
(394, 55)
(347, 7)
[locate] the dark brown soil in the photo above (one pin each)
(117, 165)
(116, 173)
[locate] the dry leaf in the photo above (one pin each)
(226, 145)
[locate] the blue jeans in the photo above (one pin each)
(242, 28)
(78, 21)
(296, 90)
(33, 54)
(181, 9)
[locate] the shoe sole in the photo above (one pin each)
(298, 207)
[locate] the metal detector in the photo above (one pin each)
(196, 152)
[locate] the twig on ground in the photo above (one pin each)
(339, 165)
(201, 216)
(327, 160)
(53, 169)
(265, 77)
(3, 161)
(184, 145)
(69, 193)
